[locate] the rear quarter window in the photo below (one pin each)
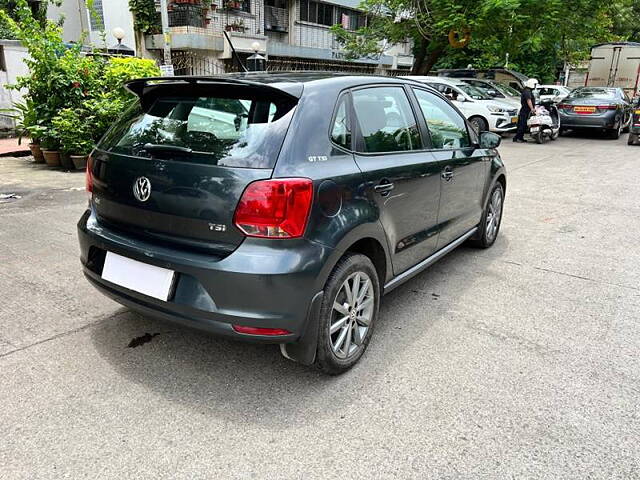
(213, 129)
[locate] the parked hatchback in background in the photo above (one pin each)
(601, 108)
(328, 192)
(482, 111)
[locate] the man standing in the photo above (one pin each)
(528, 104)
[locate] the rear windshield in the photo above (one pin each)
(508, 90)
(473, 92)
(609, 93)
(216, 130)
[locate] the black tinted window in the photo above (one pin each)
(447, 128)
(239, 132)
(386, 120)
(591, 92)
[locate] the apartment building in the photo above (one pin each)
(292, 34)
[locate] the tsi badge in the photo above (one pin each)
(142, 189)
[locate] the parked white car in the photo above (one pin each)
(495, 90)
(482, 111)
(553, 93)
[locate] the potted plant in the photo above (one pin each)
(73, 126)
(35, 133)
(51, 147)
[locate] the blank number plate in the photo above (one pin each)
(137, 276)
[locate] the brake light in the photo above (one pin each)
(89, 178)
(607, 107)
(564, 106)
(277, 208)
(260, 330)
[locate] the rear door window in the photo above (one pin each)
(240, 132)
(386, 121)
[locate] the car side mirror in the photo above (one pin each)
(490, 140)
(492, 93)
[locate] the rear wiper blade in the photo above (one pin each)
(151, 147)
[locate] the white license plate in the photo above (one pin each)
(140, 277)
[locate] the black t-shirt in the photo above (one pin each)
(527, 94)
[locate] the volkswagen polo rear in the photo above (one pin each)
(185, 222)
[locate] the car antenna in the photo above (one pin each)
(235, 54)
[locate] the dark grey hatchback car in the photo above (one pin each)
(279, 208)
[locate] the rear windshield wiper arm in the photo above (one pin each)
(150, 147)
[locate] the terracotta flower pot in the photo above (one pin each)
(79, 161)
(36, 152)
(65, 161)
(52, 157)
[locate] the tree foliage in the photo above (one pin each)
(535, 36)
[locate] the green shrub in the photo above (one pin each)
(73, 127)
(120, 70)
(69, 94)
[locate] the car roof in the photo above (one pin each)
(292, 83)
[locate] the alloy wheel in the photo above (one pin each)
(351, 315)
(494, 214)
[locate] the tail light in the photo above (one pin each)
(277, 208)
(564, 106)
(260, 330)
(607, 107)
(89, 178)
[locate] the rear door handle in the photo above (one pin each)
(447, 173)
(384, 187)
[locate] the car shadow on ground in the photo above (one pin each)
(244, 382)
(594, 134)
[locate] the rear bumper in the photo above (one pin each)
(269, 284)
(606, 120)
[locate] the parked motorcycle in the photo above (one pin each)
(544, 122)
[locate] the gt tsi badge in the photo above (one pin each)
(142, 189)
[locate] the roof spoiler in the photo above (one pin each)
(139, 86)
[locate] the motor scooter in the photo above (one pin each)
(544, 122)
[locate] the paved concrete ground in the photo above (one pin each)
(519, 362)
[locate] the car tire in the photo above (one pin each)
(490, 223)
(479, 124)
(562, 132)
(615, 133)
(346, 321)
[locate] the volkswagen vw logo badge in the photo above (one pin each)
(142, 189)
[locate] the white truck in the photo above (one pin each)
(615, 64)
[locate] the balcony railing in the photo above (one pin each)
(186, 15)
(276, 19)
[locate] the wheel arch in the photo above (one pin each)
(368, 239)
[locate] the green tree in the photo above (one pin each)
(537, 36)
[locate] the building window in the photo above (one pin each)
(316, 12)
(351, 19)
(96, 16)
